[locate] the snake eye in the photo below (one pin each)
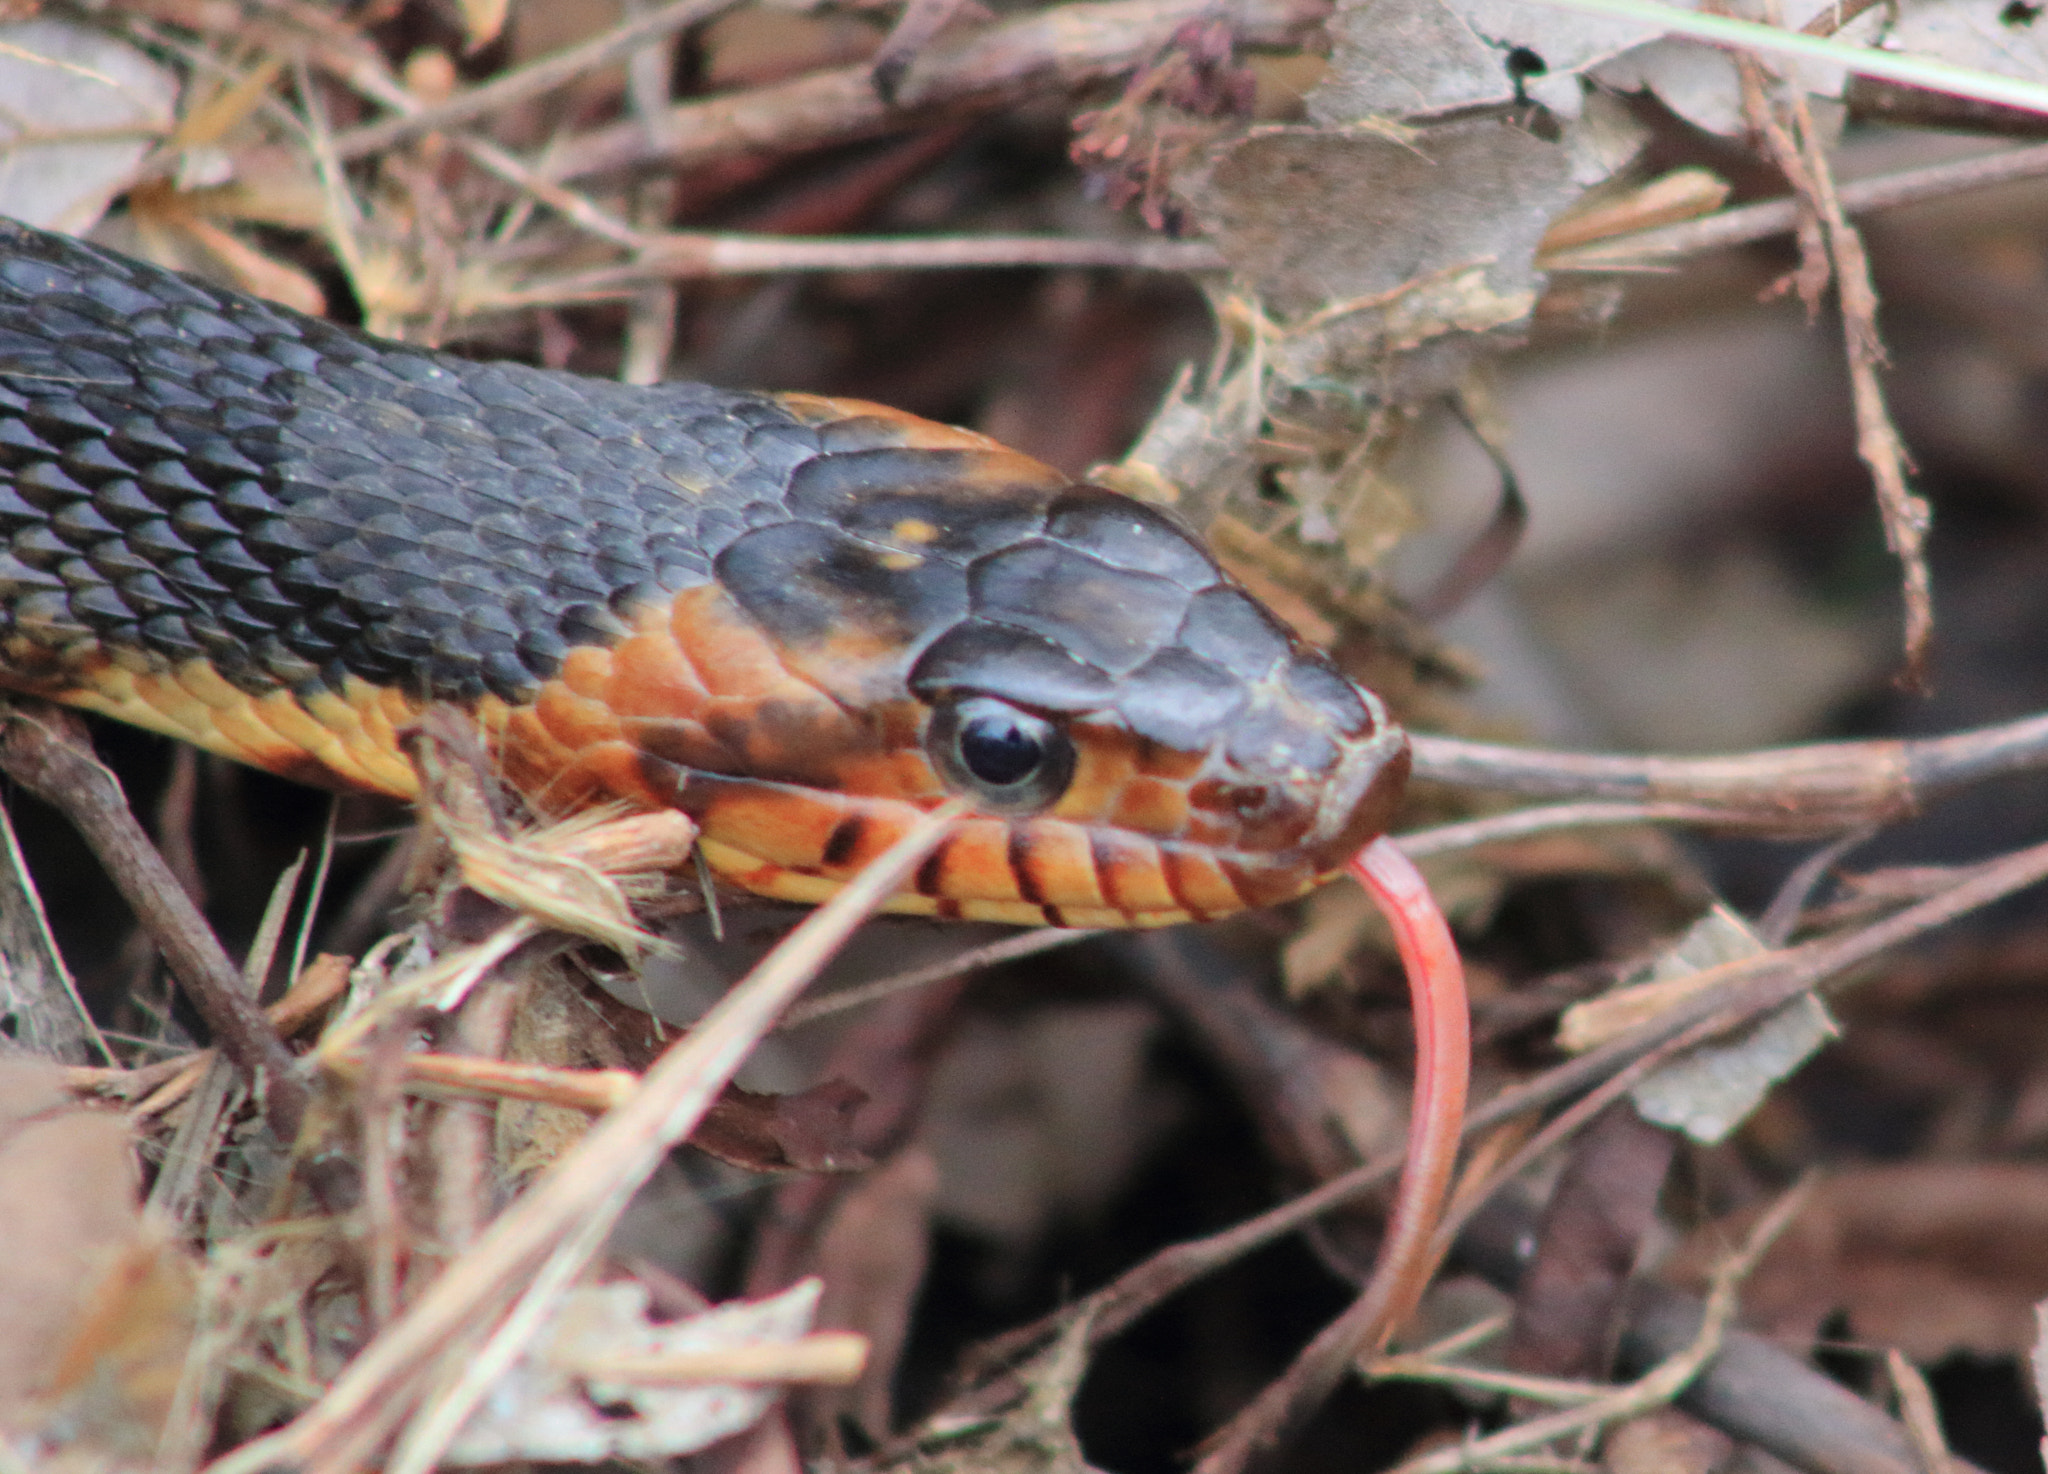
(1006, 760)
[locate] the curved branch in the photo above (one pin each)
(1814, 788)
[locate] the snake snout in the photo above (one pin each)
(1361, 798)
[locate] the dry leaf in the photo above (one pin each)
(1931, 1257)
(807, 1131)
(546, 1407)
(67, 1175)
(62, 79)
(1710, 1090)
(1992, 35)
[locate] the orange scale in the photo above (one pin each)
(1103, 769)
(611, 768)
(899, 775)
(530, 753)
(398, 708)
(1132, 872)
(281, 712)
(684, 743)
(1214, 830)
(240, 732)
(779, 825)
(1198, 882)
(587, 671)
(575, 721)
(864, 834)
(973, 862)
(1151, 806)
(1269, 885)
(730, 655)
(1054, 863)
(1169, 762)
(651, 678)
(899, 724)
(796, 731)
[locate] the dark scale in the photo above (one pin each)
(186, 471)
(197, 470)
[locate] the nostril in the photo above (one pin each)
(1246, 800)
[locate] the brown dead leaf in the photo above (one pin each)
(559, 1404)
(1666, 1442)
(96, 1312)
(1318, 218)
(1592, 1234)
(1930, 1257)
(1418, 58)
(809, 1131)
(67, 1175)
(872, 1257)
(1382, 257)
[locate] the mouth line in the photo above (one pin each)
(1331, 839)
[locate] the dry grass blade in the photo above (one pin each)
(1060, 48)
(1656, 1389)
(428, 1368)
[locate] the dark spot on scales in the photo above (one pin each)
(1020, 847)
(844, 841)
(804, 583)
(967, 496)
(930, 872)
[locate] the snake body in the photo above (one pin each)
(800, 620)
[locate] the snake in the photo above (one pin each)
(802, 621)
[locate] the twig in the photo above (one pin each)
(1831, 245)
(536, 77)
(1408, 1250)
(1653, 1390)
(1747, 224)
(1917, 1412)
(1467, 834)
(685, 256)
(1757, 1392)
(46, 751)
(1009, 949)
(366, 76)
(516, 1271)
(1814, 788)
(1061, 48)
(1433, 1364)
(1744, 991)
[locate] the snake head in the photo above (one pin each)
(1113, 685)
(1144, 741)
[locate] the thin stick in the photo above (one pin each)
(1009, 949)
(1057, 49)
(532, 1253)
(1436, 987)
(1469, 834)
(709, 254)
(524, 83)
(1747, 224)
(1811, 788)
(45, 750)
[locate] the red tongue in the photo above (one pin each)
(1436, 988)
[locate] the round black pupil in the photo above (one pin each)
(1000, 750)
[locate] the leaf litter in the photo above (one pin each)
(1374, 198)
